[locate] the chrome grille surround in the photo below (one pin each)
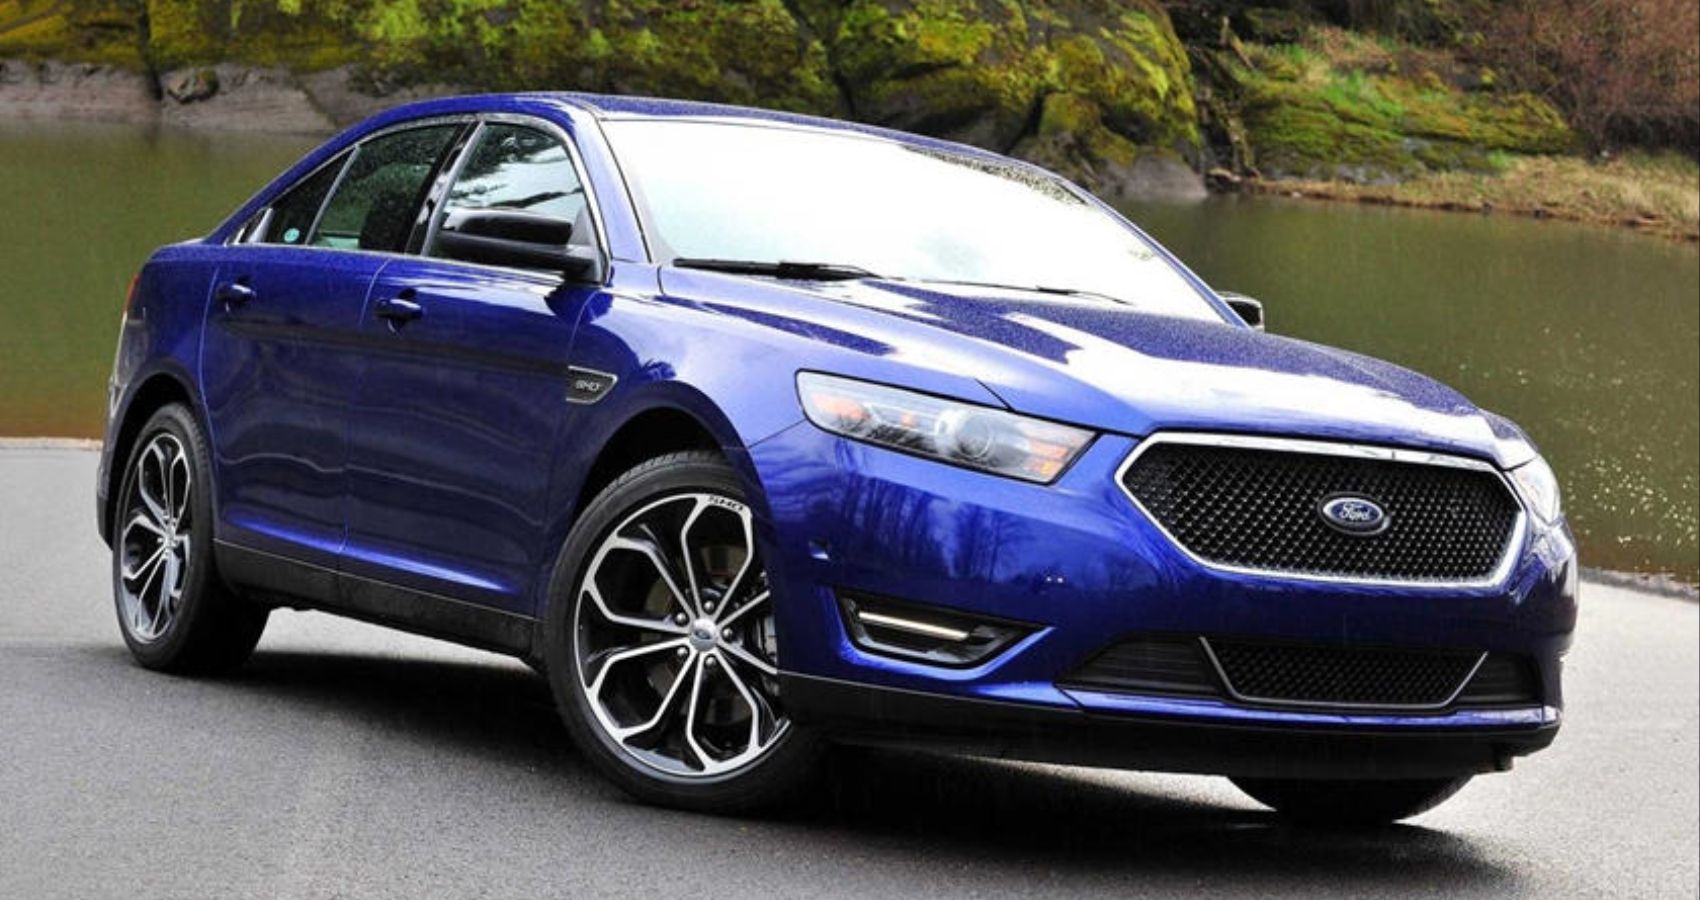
(1514, 543)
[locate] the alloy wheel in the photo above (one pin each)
(155, 539)
(674, 642)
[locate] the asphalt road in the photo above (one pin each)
(349, 761)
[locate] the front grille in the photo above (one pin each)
(1258, 508)
(1341, 676)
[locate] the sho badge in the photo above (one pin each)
(1354, 515)
(587, 385)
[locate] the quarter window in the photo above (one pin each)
(377, 202)
(291, 218)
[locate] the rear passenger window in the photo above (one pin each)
(291, 218)
(377, 202)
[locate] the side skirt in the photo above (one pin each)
(280, 581)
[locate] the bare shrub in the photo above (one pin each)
(1624, 71)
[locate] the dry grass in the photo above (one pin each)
(1656, 194)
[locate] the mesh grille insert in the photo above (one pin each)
(1301, 674)
(1502, 681)
(1150, 665)
(1342, 676)
(1259, 509)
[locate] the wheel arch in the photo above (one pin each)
(664, 417)
(649, 433)
(151, 393)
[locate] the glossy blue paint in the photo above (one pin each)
(441, 455)
(454, 428)
(274, 374)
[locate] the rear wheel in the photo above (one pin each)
(661, 646)
(175, 614)
(1344, 804)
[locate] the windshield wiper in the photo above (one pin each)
(803, 271)
(1035, 288)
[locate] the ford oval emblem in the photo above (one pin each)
(1354, 515)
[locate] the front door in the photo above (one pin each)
(459, 411)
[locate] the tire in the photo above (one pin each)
(1350, 804)
(175, 613)
(629, 658)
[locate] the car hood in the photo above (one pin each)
(1109, 366)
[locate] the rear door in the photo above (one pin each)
(461, 405)
(280, 357)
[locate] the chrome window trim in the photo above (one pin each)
(347, 154)
(1233, 692)
(1497, 578)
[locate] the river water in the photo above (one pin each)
(1587, 336)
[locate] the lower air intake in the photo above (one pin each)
(1299, 675)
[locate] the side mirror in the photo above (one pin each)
(516, 239)
(1248, 309)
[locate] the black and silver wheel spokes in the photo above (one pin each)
(674, 638)
(153, 540)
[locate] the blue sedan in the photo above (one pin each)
(757, 432)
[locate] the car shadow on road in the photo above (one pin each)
(987, 810)
(955, 811)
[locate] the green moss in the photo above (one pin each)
(995, 73)
(106, 32)
(1072, 138)
(1149, 96)
(1102, 80)
(741, 53)
(952, 67)
(746, 52)
(1310, 115)
(299, 34)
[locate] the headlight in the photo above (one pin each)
(963, 434)
(1539, 487)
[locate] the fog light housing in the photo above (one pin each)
(928, 634)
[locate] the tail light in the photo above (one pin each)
(130, 295)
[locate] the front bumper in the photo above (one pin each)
(1084, 564)
(858, 713)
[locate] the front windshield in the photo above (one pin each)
(725, 191)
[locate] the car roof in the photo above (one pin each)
(609, 107)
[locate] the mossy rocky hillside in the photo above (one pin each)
(1104, 90)
(1096, 88)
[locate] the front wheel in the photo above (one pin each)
(1345, 804)
(660, 642)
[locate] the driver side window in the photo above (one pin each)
(514, 168)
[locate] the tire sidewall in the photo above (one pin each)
(176, 421)
(645, 484)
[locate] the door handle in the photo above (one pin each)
(399, 310)
(235, 293)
